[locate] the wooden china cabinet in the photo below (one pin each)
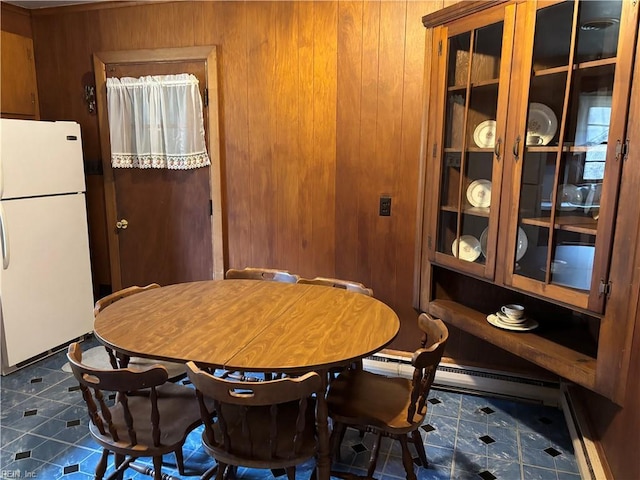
(525, 146)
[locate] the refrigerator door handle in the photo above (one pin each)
(4, 240)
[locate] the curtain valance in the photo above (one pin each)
(156, 122)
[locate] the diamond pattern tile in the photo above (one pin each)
(45, 435)
(552, 451)
(487, 440)
(486, 475)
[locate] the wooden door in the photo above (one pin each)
(164, 225)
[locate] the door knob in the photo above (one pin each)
(122, 224)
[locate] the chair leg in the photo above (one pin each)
(209, 473)
(101, 467)
(222, 468)
(179, 460)
(337, 436)
(118, 459)
(157, 467)
(373, 459)
(291, 473)
(417, 441)
(407, 460)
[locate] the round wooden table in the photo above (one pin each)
(250, 325)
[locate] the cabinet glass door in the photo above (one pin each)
(567, 150)
(472, 144)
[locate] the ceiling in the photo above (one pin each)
(48, 3)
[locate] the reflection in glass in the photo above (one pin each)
(599, 29)
(459, 47)
(486, 53)
(447, 225)
(546, 99)
(591, 99)
(454, 120)
(531, 254)
(552, 40)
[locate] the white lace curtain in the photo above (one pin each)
(156, 122)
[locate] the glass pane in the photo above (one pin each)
(481, 119)
(546, 98)
(599, 28)
(572, 263)
(486, 53)
(552, 40)
(449, 201)
(579, 189)
(469, 139)
(531, 251)
(458, 69)
(447, 227)
(456, 104)
(472, 228)
(536, 188)
(477, 205)
(591, 101)
(538, 174)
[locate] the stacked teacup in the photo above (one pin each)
(512, 314)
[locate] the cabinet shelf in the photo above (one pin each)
(470, 149)
(483, 83)
(536, 346)
(578, 66)
(477, 211)
(569, 223)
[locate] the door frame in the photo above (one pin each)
(207, 54)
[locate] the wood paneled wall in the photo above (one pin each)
(321, 114)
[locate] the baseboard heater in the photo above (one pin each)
(472, 380)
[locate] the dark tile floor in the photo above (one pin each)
(44, 435)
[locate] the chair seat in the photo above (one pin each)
(175, 370)
(179, 414)
(257, 453)
(365, 398)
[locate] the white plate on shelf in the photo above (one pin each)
(469, 248)
(542, 122)
(483, 241)
(479, 193)
(504, 319)
(527, 325)
(523, 244)
(521, 248)
(485, 134)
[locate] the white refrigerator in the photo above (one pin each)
(46, 293)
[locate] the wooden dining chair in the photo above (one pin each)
(271, 274)
(389, 406)
(149, 417)
(259, 425)
(338, 283)
(176, 370)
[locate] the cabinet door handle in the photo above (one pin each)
(516, 148)
(496, 150)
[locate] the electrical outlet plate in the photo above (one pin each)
(385, 206)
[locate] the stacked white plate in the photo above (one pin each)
(522, 324)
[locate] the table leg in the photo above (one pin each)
(322, 422)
